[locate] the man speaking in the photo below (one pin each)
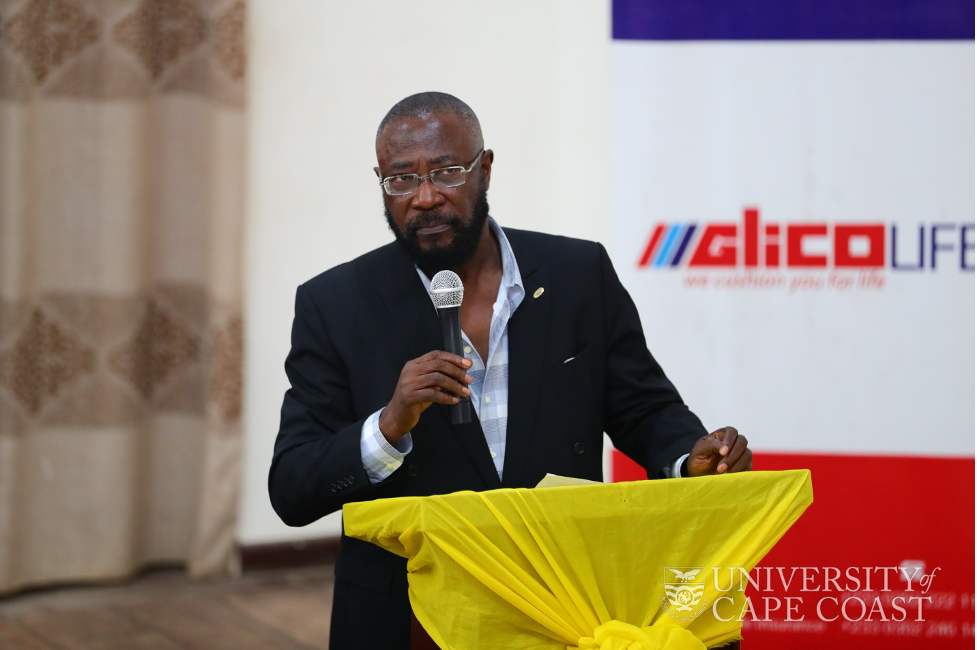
(553, 356)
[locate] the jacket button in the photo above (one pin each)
(413, 470)
(578, 448)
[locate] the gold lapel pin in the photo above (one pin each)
(538, 293)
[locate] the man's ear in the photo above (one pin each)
(376, 170)
(487, 158)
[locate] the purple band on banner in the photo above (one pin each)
(787, 20)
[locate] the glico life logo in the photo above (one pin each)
(810, 246)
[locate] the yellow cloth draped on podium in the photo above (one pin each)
(624, 566)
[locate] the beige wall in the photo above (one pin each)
(322, 76)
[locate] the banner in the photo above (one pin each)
(793, 213)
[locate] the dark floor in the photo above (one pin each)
(162, 610)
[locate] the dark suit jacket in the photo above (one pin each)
(356, 326)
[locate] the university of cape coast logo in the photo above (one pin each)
(684, 593)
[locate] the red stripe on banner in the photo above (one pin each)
(652, 243)
(868, 511)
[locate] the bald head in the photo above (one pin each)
(424, 105)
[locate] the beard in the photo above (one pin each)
(461, 248)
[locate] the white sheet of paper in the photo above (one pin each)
(553, 480)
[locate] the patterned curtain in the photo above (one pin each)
(121, 210)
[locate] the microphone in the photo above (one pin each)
(447, 292)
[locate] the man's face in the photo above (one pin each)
(439, 228)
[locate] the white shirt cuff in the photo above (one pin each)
(675, 469)
(380, 458)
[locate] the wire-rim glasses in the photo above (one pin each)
(402, 184)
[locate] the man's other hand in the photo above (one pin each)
(437, 377)
(720, 452)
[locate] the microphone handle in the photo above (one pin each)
(450, 317)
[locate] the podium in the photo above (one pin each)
(639, 565)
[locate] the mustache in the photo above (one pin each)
(431, 219)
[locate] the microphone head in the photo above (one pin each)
(447, 290)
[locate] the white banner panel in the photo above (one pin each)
(795, 221)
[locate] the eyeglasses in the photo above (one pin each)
(402, 184)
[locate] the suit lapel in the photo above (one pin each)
(472, 440)
(528, 330)
(414, 317)
(416, 321)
